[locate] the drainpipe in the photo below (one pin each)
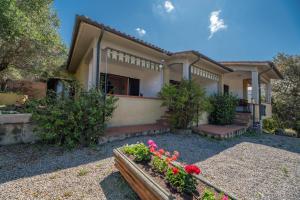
(98, 59)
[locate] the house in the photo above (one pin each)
(135, 71)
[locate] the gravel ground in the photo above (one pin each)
(250, 167)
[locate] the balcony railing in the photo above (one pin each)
(243, 106)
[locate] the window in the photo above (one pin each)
(173, 82)
(226, 89)
(122, 85)
(134, 87)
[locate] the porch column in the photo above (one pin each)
(221, 84)
(93, 68)
(255, 86)
(186, 70)
(166, 75)
(268, 92)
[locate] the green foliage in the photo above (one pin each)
(286, 92)
(72, 121)
(208, 195)
(159, 165)
(182, 181)
(29, 38)
(269, 124)
(82, 172)
(223, 108)
(140, 152)
(186, 103)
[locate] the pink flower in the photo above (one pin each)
(225, 197)
(176, 153)
(151, 143)
(167, 153)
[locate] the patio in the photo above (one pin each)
(249, 166)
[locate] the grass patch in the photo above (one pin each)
(285, 171)
(82, 172)
(67, 194)
(53, 177)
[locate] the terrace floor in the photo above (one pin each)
(258, 166)
(220, 132)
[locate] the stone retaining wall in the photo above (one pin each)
(16, 128)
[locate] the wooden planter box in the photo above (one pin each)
(141, 183)
(144, 185)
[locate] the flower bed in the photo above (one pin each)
(154, 174)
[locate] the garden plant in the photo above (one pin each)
(180, 177)
(186, 103)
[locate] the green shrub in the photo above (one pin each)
(186, 103)
(208, 195)
(182, 181)
(159, 165)
(72, 121)
(269, 124)
(140, 152)
(223, 108)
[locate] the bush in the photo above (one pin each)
(159, 165)
(182, 181)
(72, 121)
(140, 152)
(186, 103)
(223, 108)
(208, 195)
(269, 124)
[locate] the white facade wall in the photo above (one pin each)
(150, 81)
(235, 85)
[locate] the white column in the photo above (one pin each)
(186, 70)
(268, 92)
(221, 84)
(93, 68)
(255, 85)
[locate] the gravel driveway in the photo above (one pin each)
(250, 167)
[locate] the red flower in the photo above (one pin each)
(168, 160)
(175, 170)
(174, 158)
(152, 149)
(157, 154)
(161, 151)
(192, 169)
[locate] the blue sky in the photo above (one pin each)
(220, 29)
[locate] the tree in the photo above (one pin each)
(186, 103)
(29, 38)
(286, 92)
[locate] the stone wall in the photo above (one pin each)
(16, 128)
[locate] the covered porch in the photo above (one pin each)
(251, 83)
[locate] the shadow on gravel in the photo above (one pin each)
(115, 187)
(25, 160)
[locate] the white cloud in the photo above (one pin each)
(141, 32)
(216, 23)
(163, 8)
(169, 7)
